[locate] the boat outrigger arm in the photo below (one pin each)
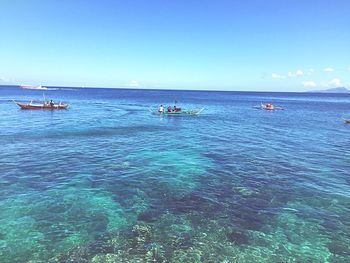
(195, 112)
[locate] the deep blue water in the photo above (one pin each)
(107, 181)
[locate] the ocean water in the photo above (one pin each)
(107, 181)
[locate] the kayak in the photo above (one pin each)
(178, 113)
(41, 106)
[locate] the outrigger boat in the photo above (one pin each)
(268, 106)
(37, 105)
(33, 87)
(177, 112)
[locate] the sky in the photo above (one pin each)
(252, 45)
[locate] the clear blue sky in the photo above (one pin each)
(290, 45)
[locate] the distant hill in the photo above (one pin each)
(332, 90)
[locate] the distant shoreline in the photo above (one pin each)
(338, 90)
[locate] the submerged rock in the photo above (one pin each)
(185, 256)
(142, 234)
(238, 237)
(80, 254)
(155, 254)
(339, 248)
(149, 216)
(140, 241)
(107, 258)
(117, 242)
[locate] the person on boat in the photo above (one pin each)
(52, 103)
(269, 106)
(177, 109)
(169, 109)
(161, 109)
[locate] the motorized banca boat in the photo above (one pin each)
(33, 87)
(178, 112)
(39, 105)
(268, 106)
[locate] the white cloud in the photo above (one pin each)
(299, 73)
(349, 68)
(309, 84)
(134, 83)
(277, 76)
(328, 69)
(290, 74)
(336, 83)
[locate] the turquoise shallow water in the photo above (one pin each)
(107, 181)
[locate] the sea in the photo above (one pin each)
(108, 181)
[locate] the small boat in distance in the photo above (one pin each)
(39, 105)
(268, 106)
(347, 121)
(33, 87)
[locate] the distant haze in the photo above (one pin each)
(333, 90)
